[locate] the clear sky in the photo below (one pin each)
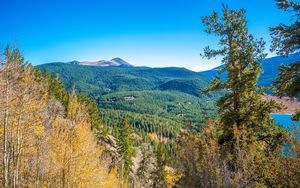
(155, 33)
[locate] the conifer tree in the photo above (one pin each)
(288, 80)
(286, 40)
(159, 174)
(241, 108)
(57, 88)
(125, 148)
(92, 109)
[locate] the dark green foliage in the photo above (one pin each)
(296, 115)
(92, 109)
(57, 88)
(287, 83)
(38, 75)
(125, 148)
(288, 80)
(170, 94)
(159, 174)
(102, 80)
(143, 123)
(176, 106)
(286, 38)
(185, 86)
(241, 108)
(269, 65)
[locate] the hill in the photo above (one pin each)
(169, 93)
(269, 65)
(167, 104)
(116, 62)
(104, 80)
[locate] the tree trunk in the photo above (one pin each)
(5, 129)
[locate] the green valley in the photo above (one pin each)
(169, 97)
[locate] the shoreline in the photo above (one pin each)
(278, 113)
(289, 105)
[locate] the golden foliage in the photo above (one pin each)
(172, 176)
(45, 145)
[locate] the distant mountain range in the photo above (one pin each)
(110, 76)
(108, 79)
(270, 68)
(116, 62)
(170, 93)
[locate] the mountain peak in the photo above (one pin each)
(118, 59)
(116, 62)
(121, 62)
(75, 62)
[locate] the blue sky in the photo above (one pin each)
(155, 33)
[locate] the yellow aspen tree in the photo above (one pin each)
(22, 123)
(42, 143)
(74, 155)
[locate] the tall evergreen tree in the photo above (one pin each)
(159, 174)
(57, 88)
(92, 109)
(241, 107)
(125, 148)
(286, 40)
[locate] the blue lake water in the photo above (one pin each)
(285, 121)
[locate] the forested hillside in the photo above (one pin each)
(270, 66)
(102, 80)
(55, 138)
(170, 93)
